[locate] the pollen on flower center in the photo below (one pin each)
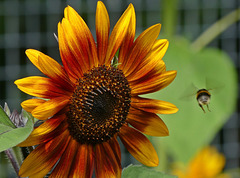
(99, 105)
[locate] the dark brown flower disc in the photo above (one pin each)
(99, 105)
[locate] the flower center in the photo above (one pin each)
(99, 105)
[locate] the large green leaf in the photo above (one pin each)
(4, 119)
(11, 136)
(134, 171)
(191, 128)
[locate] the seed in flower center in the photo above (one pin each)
(99, 105)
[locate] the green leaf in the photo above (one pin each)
(10, 137)
(4, 119)
(190, 128)
(139, 171)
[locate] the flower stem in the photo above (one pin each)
(169, 16)
(12, 159)
(216, 29)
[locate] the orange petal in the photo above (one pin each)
(44, 157)
(46, 131)
(102, 30)
(152, 83)
(68, 59)
(63, 167)
(55, 71)
(40, 87)
(50, 108)
(33, 54)
(49, 67)
(152, 63)
(107, 164)
(139, 146)
(82, 62)
(83, 35)
(83, 163)
(127, 42)
(140, 48)
(153, 106)
(118, 34)
(148, 123)
(31, 104)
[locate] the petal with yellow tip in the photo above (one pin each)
(31, 104)
(152, 63)
(40, 87)
(139, 146)
(153, 106)
(118, 34)
(140, 48)
(152, 83)
(147, 123)
(50, 107)
(102, 30)
(83, 35)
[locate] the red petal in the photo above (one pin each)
(107, 164)
(63, 167)
(44, 157)
(82, 167)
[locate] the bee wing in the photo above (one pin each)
(214, 85)
(189, 93)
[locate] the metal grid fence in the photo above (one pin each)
(30, 24)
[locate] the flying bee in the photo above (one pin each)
(203, 97)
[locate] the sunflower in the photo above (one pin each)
(87, 102)
(208, 163)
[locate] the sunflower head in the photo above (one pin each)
(94, 97)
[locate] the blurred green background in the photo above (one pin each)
(216, 56)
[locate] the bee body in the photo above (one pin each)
(203, 97)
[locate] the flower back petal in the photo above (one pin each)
(118, 34)
(139, 146)
(50, 129)
(50, 107)
(102, 31)
(30, 104)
